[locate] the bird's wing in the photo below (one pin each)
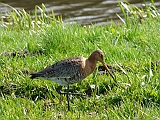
(63, 69)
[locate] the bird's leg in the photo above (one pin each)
(59, 90)
(67, 93)
(78, 94)
(68, 97)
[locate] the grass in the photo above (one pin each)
(133, 45)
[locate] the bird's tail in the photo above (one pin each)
(35, 75)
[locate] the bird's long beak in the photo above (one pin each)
(104, 64)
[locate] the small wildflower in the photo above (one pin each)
(92, 86)
(143, 83)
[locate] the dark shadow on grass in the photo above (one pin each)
(22, 53)
(30, 91)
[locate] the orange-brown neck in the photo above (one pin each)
(90, 65)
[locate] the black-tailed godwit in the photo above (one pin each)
(72, 70)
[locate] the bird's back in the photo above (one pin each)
(68, 71)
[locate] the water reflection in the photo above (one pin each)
(84, 12)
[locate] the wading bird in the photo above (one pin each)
(72, 70)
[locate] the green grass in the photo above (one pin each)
(133, 45)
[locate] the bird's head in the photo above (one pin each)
(98, 55)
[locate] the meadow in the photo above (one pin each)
(131, 46)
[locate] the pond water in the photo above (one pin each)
(81, 11)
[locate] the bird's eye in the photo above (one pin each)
(101, 55)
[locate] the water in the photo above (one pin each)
(83, 12)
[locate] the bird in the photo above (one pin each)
(72, 70)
